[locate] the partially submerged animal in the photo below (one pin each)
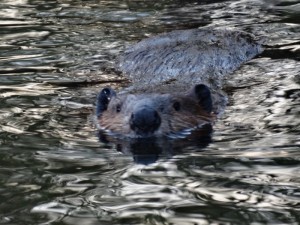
(145, 115)
(177, 82)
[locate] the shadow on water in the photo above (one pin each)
(149, 150)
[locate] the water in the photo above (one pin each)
(56, 55)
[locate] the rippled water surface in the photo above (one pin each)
(54, 57)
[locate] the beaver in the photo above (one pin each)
(177, 80)
(148, 114)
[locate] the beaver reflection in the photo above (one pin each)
(149, 150)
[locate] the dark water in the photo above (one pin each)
(55, 56)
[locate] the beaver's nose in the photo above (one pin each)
(145, 121)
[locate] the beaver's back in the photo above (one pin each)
(188, 57)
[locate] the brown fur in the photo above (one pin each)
(160, 67)
(116, 118)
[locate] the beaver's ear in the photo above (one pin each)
(202, 94)
(103, 100)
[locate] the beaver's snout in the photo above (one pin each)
(145, 121)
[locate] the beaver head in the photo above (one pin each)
(153, 115)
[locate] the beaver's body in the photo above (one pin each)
(177, 79)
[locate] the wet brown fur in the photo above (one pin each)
(190, 115)
(170, 63)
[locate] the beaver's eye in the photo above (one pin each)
(118, 108)
(176, 106)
